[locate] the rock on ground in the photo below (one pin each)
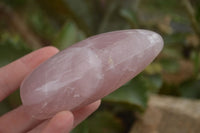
(169, 115)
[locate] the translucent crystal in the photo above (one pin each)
(88, 71)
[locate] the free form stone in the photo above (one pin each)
(88, 71)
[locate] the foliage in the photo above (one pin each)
(104, 121)
(62, 23)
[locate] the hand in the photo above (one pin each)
(18, 121)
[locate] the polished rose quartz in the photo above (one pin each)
(88, 71)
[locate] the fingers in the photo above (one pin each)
(83, 113)
(39, 128)
(63, 123)
(60, 123)
(18, 121)
(12, 75)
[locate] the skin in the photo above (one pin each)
(18, 121)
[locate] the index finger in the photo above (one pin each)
(13, 74)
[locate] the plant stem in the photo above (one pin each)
(107, 16)
(196, 27)
(14, 20)
(191, 12)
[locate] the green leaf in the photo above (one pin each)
(4, 108)
(100, 122)
(11, 48)
(175, 39)
(15, 3)
(153, 82)
(170, 6)
(14, 100)
(81, 128)
(198, 11)
(153, 68)
(84, 14)
(41, 24)
(190, 89)
(87, 12)
(130, 16)
(112, 19)
(170, 65)
(195, 56)
(133, 94)
(68, 35)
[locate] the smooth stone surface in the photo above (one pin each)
(88, 71)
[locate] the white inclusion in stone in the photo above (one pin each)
(151, 36)
(95, 62)
(71, 89)
(76, 95)
(44, 105)
(50, 86)
(110, 62)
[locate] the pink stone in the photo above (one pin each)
(88, 71)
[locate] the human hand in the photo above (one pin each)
(18, 121)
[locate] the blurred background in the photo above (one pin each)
(27, 25)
